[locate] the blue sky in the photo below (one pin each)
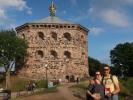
(110, 21)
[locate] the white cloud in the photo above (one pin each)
(113, 12)
(18, 4)
(5, 5)
(96, 30)
(115, 17)
(2, 14)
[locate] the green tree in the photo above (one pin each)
(94, 65)
(115, 71)
(12, 48)
(122, 58)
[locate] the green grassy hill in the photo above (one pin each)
(126, 87)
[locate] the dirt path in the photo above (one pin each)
(48, 96)
(63, 93)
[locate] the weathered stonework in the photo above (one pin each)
(58, 51)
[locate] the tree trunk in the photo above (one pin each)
(8, 81)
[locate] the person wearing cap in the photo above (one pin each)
(111, 85)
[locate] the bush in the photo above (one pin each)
(19, 85)
(2, 77)
(81, 86)
(126, 87)
(41, 84)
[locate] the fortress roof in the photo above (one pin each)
(53, 20)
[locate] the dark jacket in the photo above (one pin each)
(95, 88)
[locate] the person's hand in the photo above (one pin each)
(113, 93)
(109, 94)
(93, 96)
(96, 96)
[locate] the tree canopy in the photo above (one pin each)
(11, 47)
(95, 65)
(122, 58)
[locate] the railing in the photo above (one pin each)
(25, 93)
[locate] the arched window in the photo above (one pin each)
(54, 35)
(41, 35)
(83, 53)
(82, 36)
(67, 54)
(67, 36)
(53, 54)
(39, 54)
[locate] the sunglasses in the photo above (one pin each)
(106, 69)
(97, 74)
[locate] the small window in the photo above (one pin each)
(49, 26)
(41, 25)
(72, 26)
(67, 36)
(54, 35)
(53, 25)
(83, 53)
(53, 54)
(61, 26)
(45, 25)
(57, 26)
(82, 36)
(67, 54)
(68, 26)
(41, 35)
(33, 25)
(84, 42)
(39, 54)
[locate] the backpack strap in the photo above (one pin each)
(102, 80)
(111, 77)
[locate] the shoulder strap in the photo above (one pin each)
(102, 80)
(111, 77)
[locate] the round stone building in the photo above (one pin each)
(57, 49)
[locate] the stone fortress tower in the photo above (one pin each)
(57, 49)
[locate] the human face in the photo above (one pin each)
(106, 70)
(97, 75)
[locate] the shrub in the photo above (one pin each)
(19, 85)
(41, 84)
